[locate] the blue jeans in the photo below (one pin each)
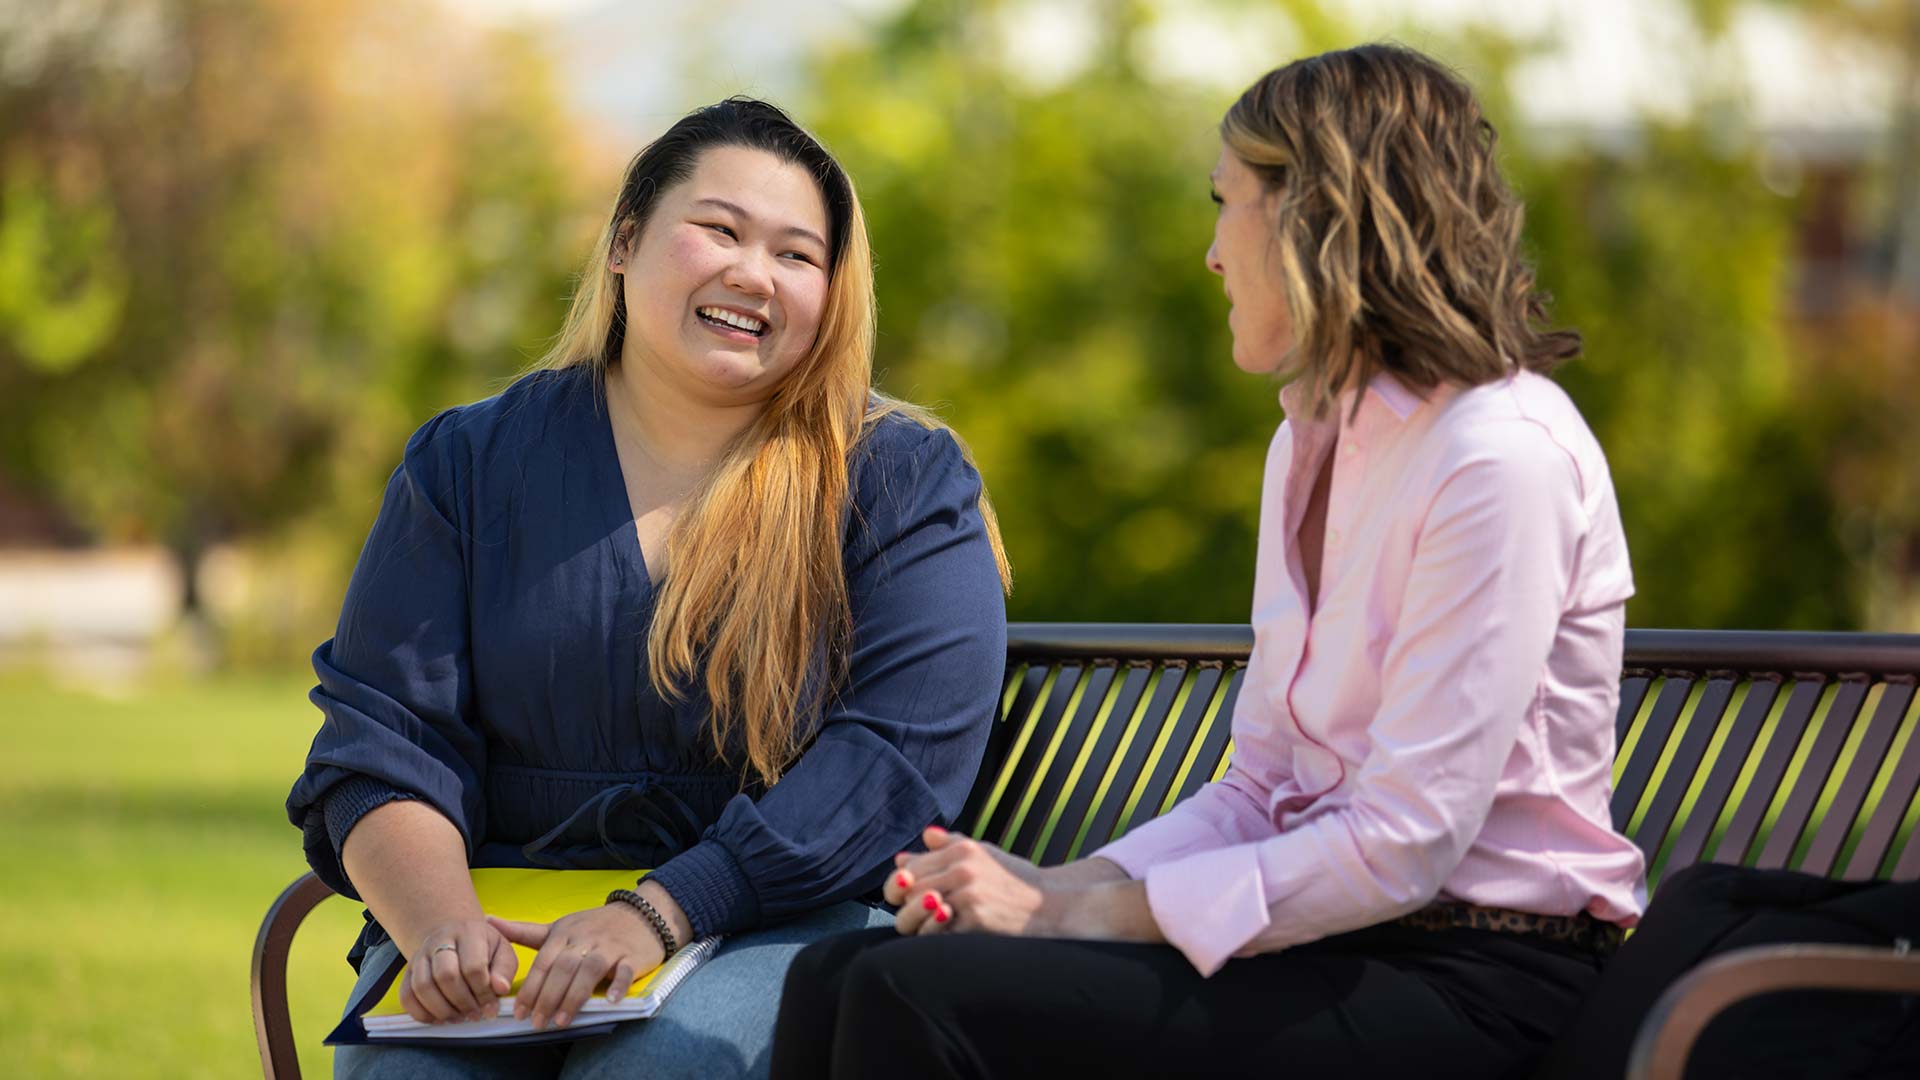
(718, 1024)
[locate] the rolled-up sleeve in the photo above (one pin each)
(899, 745)
(395, 685)
(1490, 576)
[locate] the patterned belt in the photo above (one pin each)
(1582, 930)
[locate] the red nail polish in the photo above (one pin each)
(940, 916)
(929, 902)
(936, 830)
(900, 880)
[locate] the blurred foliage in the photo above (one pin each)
(61, 290)
(245, 249)
(1673, 262)
(1042, 274)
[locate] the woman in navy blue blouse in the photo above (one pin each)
(692, 597)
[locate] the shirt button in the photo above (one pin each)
(1333, 537)
(1347, 448)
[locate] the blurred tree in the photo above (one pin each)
(1861, 374)
(1673, 260)
(1040, 273)
(1040, 259)
(244, 248)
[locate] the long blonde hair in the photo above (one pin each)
(757, 592)
(1398, 241)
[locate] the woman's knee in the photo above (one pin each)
(905, 979)
(819, 970)
(813, 968)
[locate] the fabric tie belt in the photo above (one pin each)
(1581, 931)
(622, 823)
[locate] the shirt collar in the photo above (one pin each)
(1396, 395)
(1399, 399)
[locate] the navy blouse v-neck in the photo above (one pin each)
(491, 659)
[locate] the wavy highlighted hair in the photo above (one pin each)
(755, 599)
(1398, 241)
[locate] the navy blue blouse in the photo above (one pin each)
(491, 659)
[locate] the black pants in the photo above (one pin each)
(1706, 910)
(1387, 1001)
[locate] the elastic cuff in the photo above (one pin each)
(322, 855)
(351, 800)
(708, 884)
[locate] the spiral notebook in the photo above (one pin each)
(529, 896)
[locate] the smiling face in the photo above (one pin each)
(1244, 253)
(725, 285)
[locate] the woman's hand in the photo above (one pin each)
(966, 884)
(962, 884)
(459, 972)
(576, 952)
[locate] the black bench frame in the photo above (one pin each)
(1105, 725)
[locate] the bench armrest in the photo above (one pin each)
(1667, 1036)
(272, 1021)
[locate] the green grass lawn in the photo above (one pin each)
(142, 838)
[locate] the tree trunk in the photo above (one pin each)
(199, 636)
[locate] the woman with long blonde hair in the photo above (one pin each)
(1408, 868)
(691, 597)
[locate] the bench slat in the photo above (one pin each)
(1214, 743)
(1205, 681)
(1868, 757)
(1646, 752)
(1908, 868)
(1026, 840)
(1106, 815)
(1000, 742)
(1099, 762)
(1814, 774)
(1684, 767)
(1884, 824)
(1779, 751)
(1712, 803)
(1000, 823)
(1633, 691)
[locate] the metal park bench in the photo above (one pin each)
(1771, 749)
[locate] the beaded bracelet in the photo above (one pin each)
(652, 914)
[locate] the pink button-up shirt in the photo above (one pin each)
(1441, 726)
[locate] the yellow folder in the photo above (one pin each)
(540, 896)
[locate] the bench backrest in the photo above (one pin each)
(1772, 749)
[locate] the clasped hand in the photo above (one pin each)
(466, 982)
(971, 885)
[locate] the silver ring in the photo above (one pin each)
(444, 948)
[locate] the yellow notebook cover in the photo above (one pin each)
(540, 896)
